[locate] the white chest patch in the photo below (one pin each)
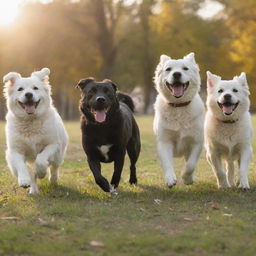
(104, 149)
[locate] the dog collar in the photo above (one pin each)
(228, 121)
(177, 105)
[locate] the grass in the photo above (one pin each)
(77, 218)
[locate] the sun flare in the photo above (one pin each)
(9, 10)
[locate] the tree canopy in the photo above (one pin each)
(122, 40)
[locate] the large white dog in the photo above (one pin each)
(228, 128)
(179, 115)
(34, 131)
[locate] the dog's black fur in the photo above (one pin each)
(118, 129)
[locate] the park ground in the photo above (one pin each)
(77, 218)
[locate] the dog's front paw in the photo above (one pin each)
(170, 180)
(41, 166)
(188, 179)
(243, 184)
(24, 182)
(103, 183)
(33, 190)
(113, 190)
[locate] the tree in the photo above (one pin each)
(106, 14)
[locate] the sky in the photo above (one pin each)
(9, 9)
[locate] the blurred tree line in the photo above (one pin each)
(122, 40)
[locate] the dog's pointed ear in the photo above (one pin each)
(242, 79)
(212, 79)
(83, 82)
(42, 75)
(190, 57)
(11, 77)
(164, 58)
(110, 82)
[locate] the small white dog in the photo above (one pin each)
(34, 131)
(228, 128)
(179, 115)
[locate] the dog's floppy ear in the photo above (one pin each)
(242, 79)
(190, 57)
(83, 82)
(42, 75)
(11, 78)
(110, 82)
(164, 58)
(212, 79)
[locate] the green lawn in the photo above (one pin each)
(77, 218)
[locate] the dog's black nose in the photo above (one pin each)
(177, 75)
(227, 97)
(100, 99)
(28, 95)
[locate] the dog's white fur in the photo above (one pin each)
(179, 130)
(38, 139)
(228, 137)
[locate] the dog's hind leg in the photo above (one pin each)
(215, 162)
(19, 168)
(33, 190)
(230, 172)
(133, 150)
(191, 161)
(244, 161)
(42, 160)
(54, 175)
(96, 170)
(118, 167)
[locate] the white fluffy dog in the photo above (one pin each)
(228, 128)
(179, 115)
(35, 132)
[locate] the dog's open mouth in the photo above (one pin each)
(100, 115)
(29, 106)
(177, 89)
(227, 107)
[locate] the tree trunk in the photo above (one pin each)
(148, 64)
(106, 19)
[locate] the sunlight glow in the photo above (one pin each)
(9, 10)
(209, 9)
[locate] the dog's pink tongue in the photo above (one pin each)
(100, 116)
(178, 91)
(227, 109)
(30, 109)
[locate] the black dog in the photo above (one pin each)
(108, 130)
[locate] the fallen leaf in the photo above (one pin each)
(9, 218)
(228, 214)
(215, 206)
(207, 217)
(157, 201)
(95, 243)
(188, 219)
(42, 222)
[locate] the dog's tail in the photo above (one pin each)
(126, 99)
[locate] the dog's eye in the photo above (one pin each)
(168, 69)
(20, 89)
(235, 90)
(220, 91)
(93, 90)
(185, 68)
(35, 88)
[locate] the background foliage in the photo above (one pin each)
(122, 40)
